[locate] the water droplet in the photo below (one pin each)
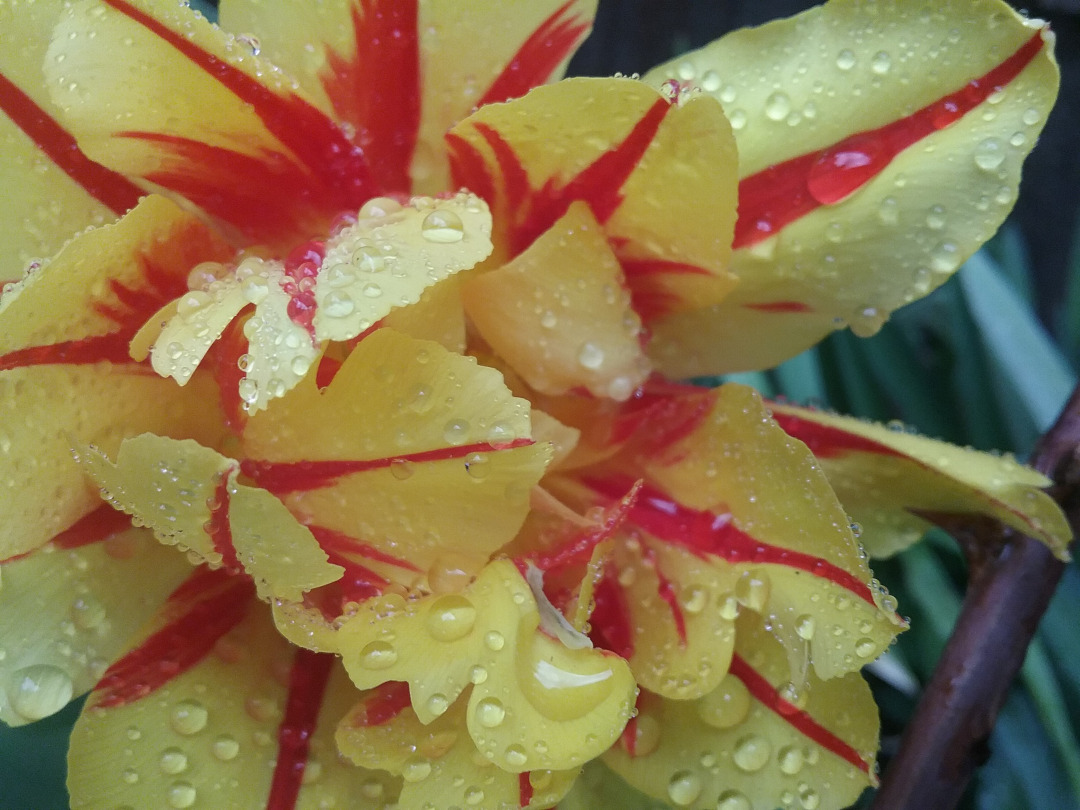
(516, 756)
(188, 717)
(733, 800)
(451, 617)
(809, 798)
(989, 154)
(490, 712)
(225, 748)
(684, 788)
(379, 207)
(794, 696)
(477, 466)
(173, 761)
(248, 390)
(87, 612)
(39, 690)
(478, 674)
(944, 258)
(401, 469)
(752, 589)
(378, 655)
(777, 106)
(845, 60)
(371, 290)
(710, 81)
(694, 599)
(845, 167)
(182, 794)
(338, 305)
(751, 753)
(456, 431)
(474, 796)
(727, 705)
(300, 366)
(804, 627)
(494, 640)
(1031, 116)
(935, 218)
(881, 63)
(438, 704)
(865, 647)
(255, 289)
(442, 226)
(791, 759)
(130, 776)
(590, 356)
(737, 118)
(889, 211)
(729, 607)
(415, 769)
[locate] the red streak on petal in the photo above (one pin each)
(103, 348)
(702, 532)
(525, 789)
(779, 306)
(538, 57)
(826, 441)
(203, 609)
(777, 196)
(806, 725)
(218, 526)
(645, 278)
(93, 527)
(385, 702)
(665, 420)
(336, 172)
(106, 186)
(307, 685)
(357, 584)
(99, 525)
(651, 267)
(667, 592)
(377, 88)
(610, 619)
(223, 361)
(331, 539)
(579, 548)
(629, 737)
(300, 476)
(468, 168)
(536, 209)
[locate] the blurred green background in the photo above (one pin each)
(986, 361)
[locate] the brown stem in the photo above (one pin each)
(1007, 594)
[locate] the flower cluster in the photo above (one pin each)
(344, 458)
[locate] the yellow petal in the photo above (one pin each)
(893, 482)
(401, 74)
(390, 256)
(660, 178)
(50, 188)
(440, 763)
(559, 314)
(744, 746)
(411, 449)
(248, 723)
(897, 134)
(437, 316)
(65, 371)
(71, 607)
(528, 690)
(188, 495)
(137, 83)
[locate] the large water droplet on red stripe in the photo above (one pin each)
(844, 168)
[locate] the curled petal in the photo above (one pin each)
(439, 761)
(895, 483)
(528, 690)
(189, 496)
(744, 746)
(880, 164)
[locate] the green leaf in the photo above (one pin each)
(599, 788)
(39, 752)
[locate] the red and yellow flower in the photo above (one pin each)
(379, 333)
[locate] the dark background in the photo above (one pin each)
(632, 36)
